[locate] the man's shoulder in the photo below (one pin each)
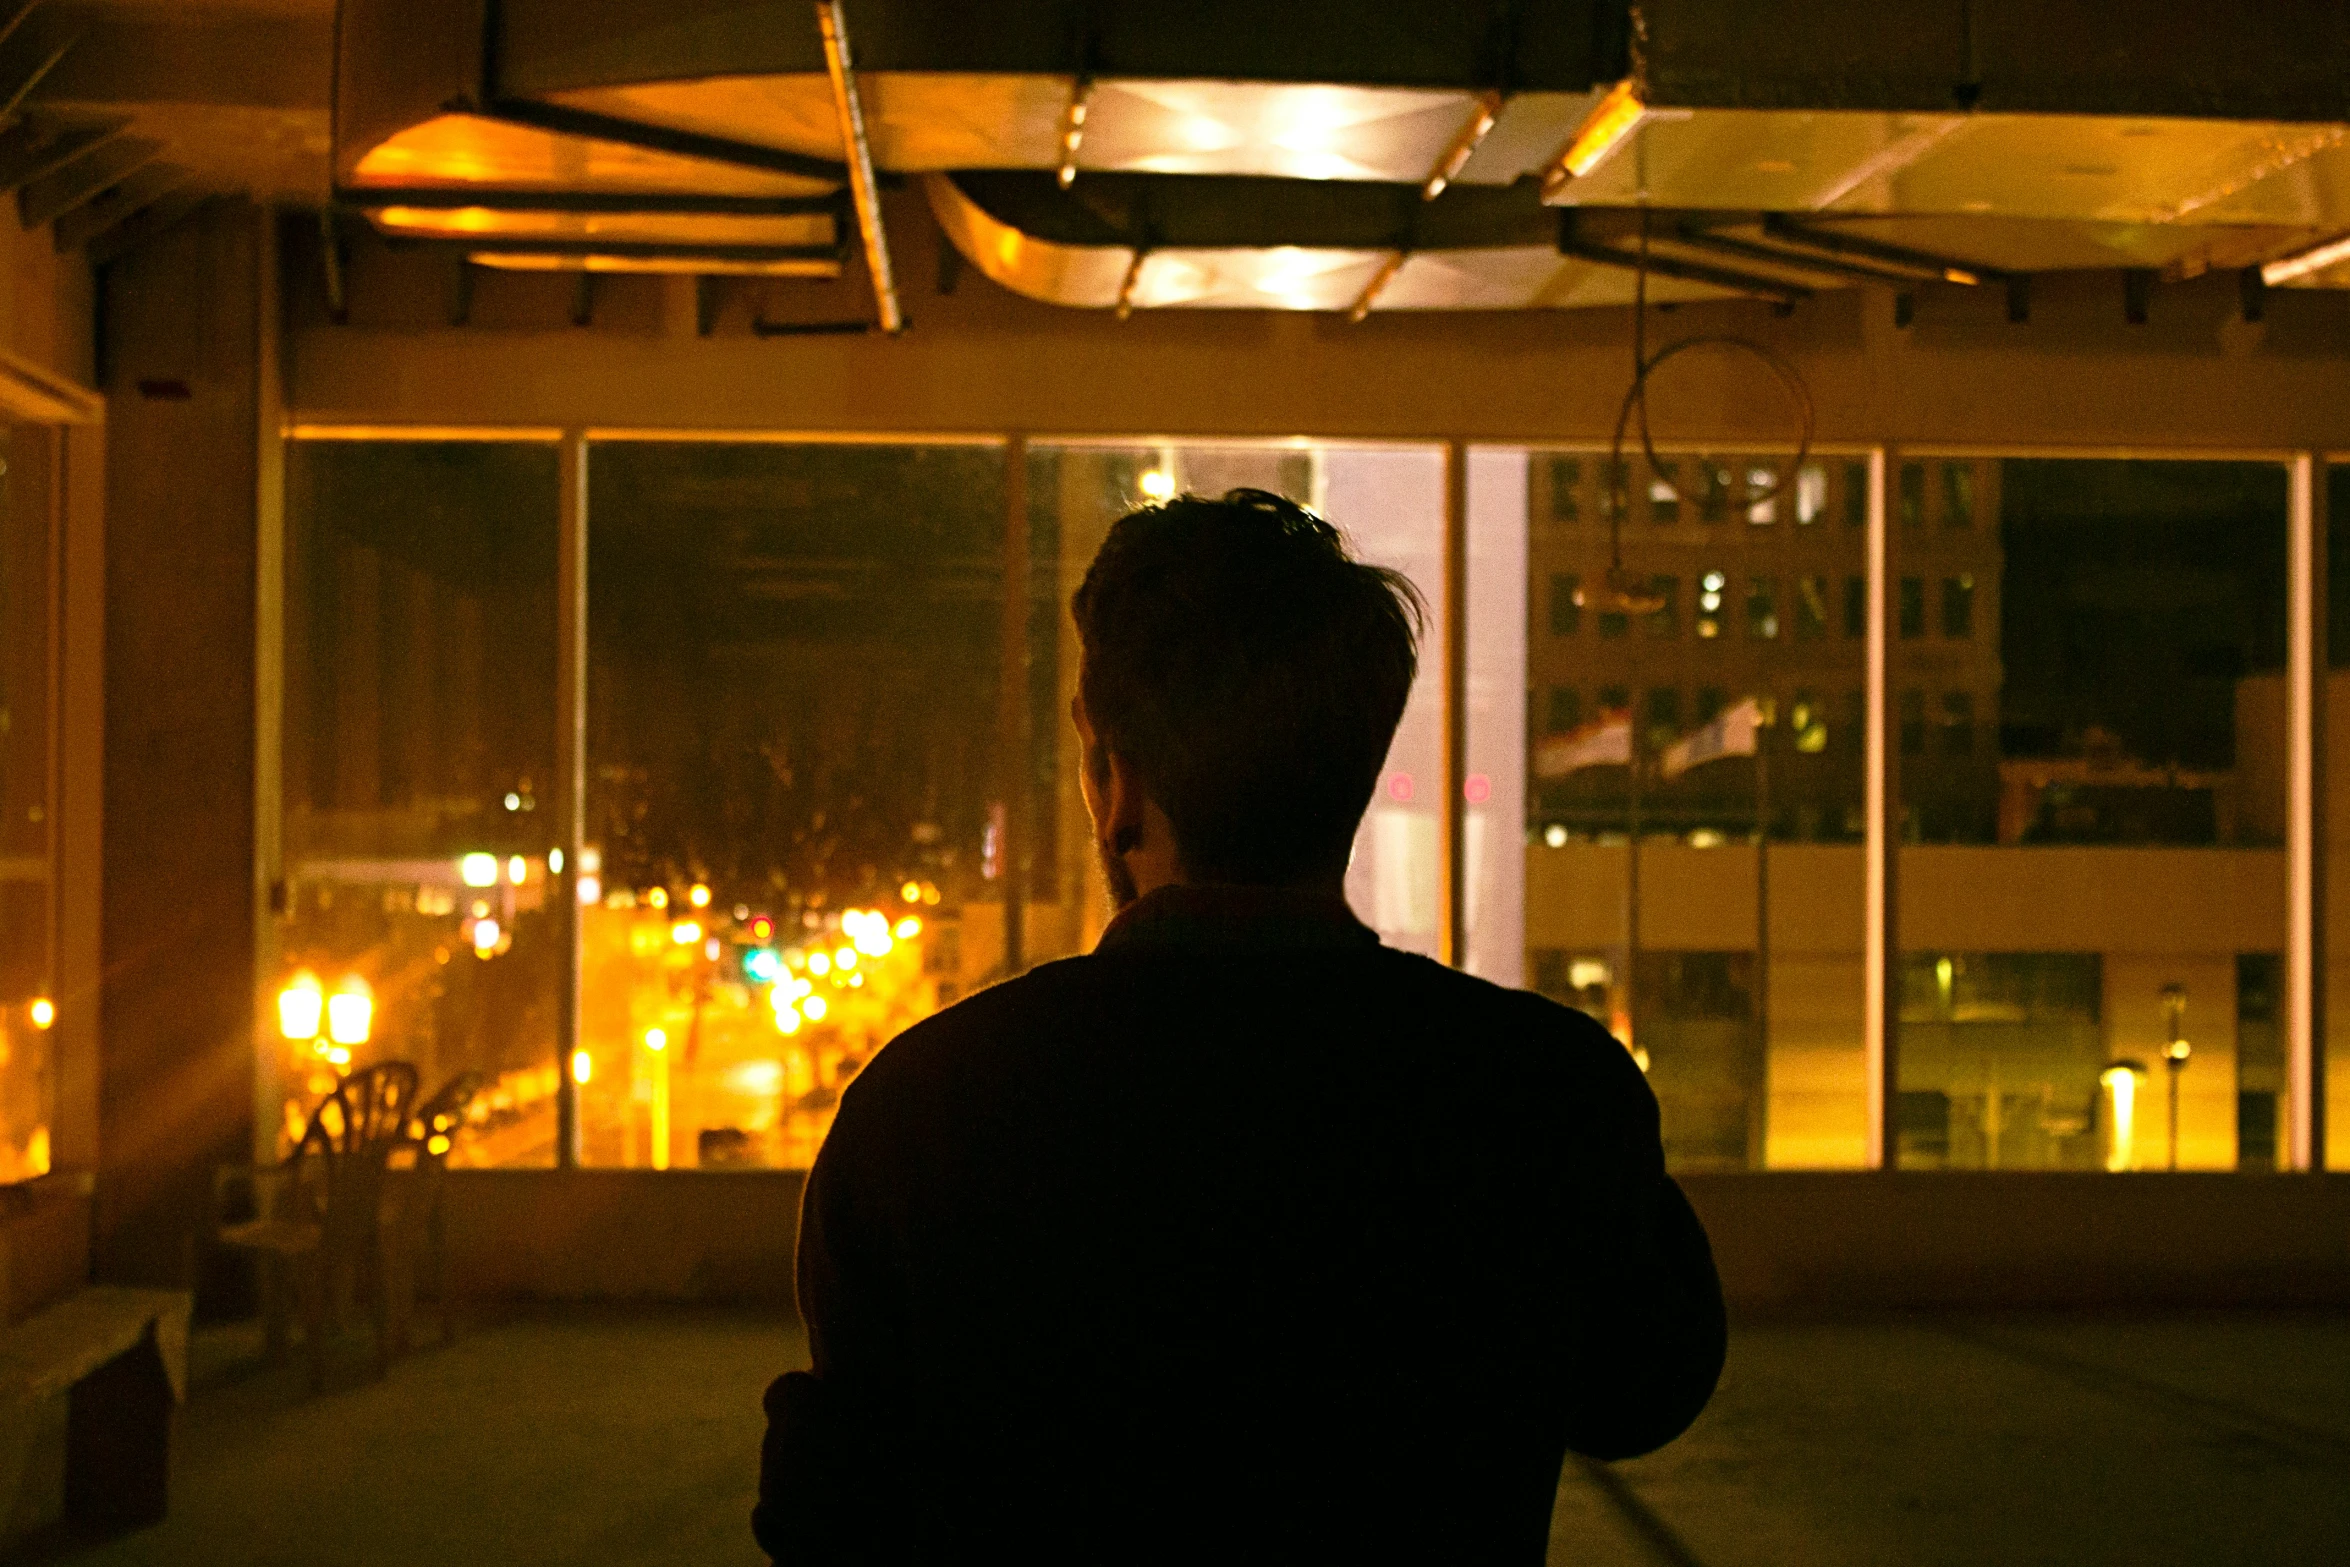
(1477, 1017)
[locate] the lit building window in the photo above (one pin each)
(1762, 607)
(1566, 605)
(1765, 511)
(1958, 495)
(1709, 603)
(1811, 608)
(1664, 500)
(1811, 493)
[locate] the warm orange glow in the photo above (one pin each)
(43, 1012)
(911, 892)
(658, 898)
(583, 1067)
(301, 1006)
(1610, 123)
(350, 1013)
(698, 895)
(685, 932)
(909, 928)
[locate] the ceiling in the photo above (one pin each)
(1365, 156)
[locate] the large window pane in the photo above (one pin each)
(796, 803)
(27, 856)
(419, 760)
(2092, 765)
(1754, 1065)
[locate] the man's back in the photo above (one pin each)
(1243, 1235)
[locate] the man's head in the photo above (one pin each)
(1242, 678)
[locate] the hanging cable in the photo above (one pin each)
(1638, 596)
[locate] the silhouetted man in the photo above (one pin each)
(1244, 1238)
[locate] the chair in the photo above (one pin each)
(414, 1217)
(319, 1235)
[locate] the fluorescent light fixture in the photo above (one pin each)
(2316, 258)
(1611, 122)
(858, 153)
(1448, 167)
(556, 261)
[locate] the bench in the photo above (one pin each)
(87, 1391)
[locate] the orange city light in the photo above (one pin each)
(350, 1013)
(1615, 118)
(300, 1007)
(43, 1012)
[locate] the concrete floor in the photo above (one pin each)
(629, 1440)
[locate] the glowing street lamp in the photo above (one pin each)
(350, 1013)
(300, 1008)
(43, 1012)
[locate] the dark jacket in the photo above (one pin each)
(1243, 1239)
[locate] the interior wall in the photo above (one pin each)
(175, 1094)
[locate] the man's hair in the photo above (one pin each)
(1252, 673)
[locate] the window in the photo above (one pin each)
(1763, 511)
(1615, 699)
(1856, 495)
(1662, 721)
(2002, 1056)
(1613, 623)
(1913, 723)
(1958, 723)
(1807, 724)
(1709, 603)
(1614, 498)
(1958, 495)
(1695, 1025)
(1665, 619)
(2260, 1058)
(419, 775)
(1664, 499)
(1958, 607)
(1811, 608)
(1710, 702)
(1566, 480)
(1856, 607)
(1566, 710)
(28, 993)
(1762, 607)
(1566, 604)
(1913, 494)
(1713, 502)
(1913, 608)
(1811, 493)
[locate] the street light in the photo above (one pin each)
(2174, 1056)
(301, 1006)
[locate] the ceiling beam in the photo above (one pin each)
(32, 148)
(54, 194)
(125, 201)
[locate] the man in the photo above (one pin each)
(1244, 1238)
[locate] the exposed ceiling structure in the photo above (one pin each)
(1375, 155)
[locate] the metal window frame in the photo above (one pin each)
(2307, 676)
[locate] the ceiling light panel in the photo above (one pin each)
(927, 121)
(633, 228)
(466, 149)
(562, 261)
